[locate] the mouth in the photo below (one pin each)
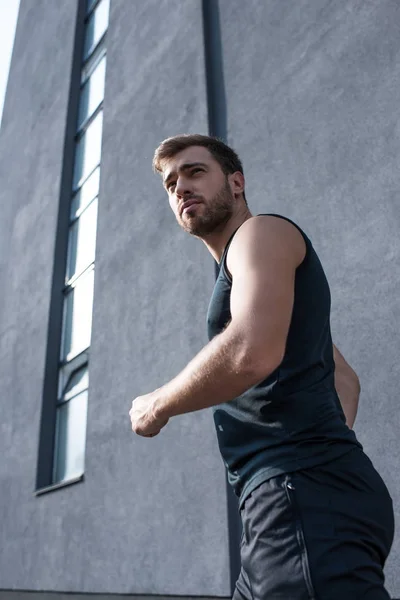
(188, 204)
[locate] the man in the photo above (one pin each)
(317, 518)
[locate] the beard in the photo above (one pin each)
(215, 214)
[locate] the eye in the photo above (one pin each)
(170, 186)
(196, 170)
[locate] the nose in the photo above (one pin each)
(183, 187)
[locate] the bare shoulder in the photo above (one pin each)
(266, 236)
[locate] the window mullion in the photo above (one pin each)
(86, 124)
(71, 284)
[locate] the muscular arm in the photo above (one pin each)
(347, 386)
(262, 259)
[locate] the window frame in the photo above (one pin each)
(82, 69)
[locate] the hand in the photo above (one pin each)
(143, 418)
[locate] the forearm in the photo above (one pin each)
(220, 372)
(348, 393)
(347, 387)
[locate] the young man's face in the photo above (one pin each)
(199, 192)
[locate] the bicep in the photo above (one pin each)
(263, 278)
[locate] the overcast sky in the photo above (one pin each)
(8, 21)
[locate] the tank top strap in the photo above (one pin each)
(222, 264)
(309, 246)
(227, 248)
(307, 239)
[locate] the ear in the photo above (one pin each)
(236, 182)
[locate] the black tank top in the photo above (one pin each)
(293, 419)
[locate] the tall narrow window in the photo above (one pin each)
(73, 374)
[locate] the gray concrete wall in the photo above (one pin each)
(312, 94)
(17, 595)
(313, 91)
(31, 147)
(159, 504)
(151, 515)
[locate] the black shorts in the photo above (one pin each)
(319, 534)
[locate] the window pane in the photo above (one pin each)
(92, 92)
(82, 241)
(66, 372)
(78, 316)
(88, 150)
(89, 5)
(78, 382)
(70, 438)
(88, 191)
(96, 26)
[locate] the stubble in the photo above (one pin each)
(214, 215)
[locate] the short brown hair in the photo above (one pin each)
(227, 158)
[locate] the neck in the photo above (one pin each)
(217, 240)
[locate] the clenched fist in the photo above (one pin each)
(143, 418)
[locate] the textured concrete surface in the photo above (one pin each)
(151, 515)
(312, 91)
(31, 146)
(18, 595)
(159, 506)
(27, 595)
